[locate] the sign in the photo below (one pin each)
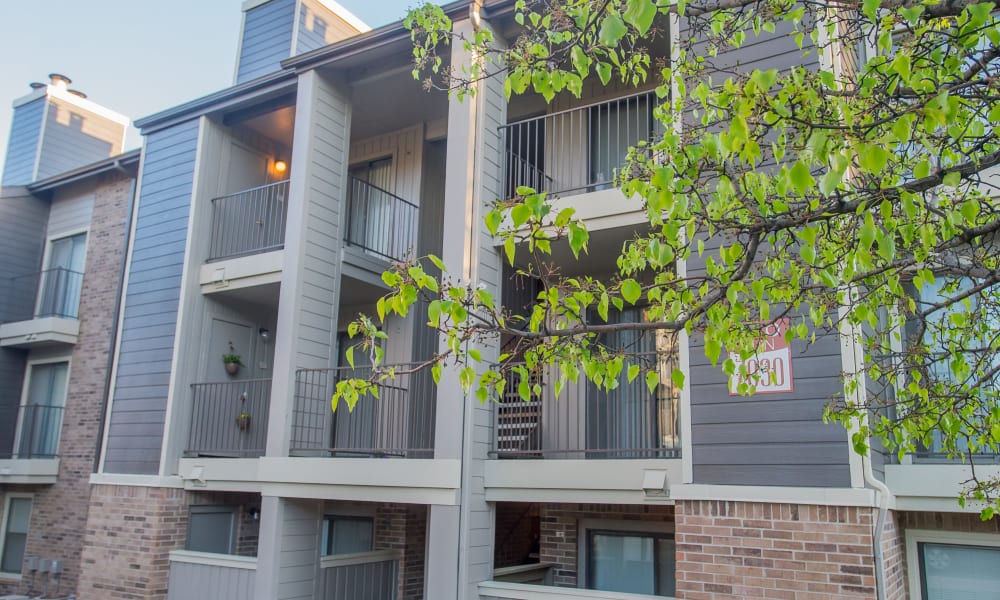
(770, 369)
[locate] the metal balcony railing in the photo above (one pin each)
(30, 431)
(586, 422)
(379, 222)
(229, 419)
(51, 293)
(361, 576)
(249, 222)
(576, 150)
(400, 423)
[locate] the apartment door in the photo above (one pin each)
(42, 412)
(247, 169)
(354, 430)
(228, 337)
(371, 223)
(59, 291)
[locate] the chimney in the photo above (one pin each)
(56, 129)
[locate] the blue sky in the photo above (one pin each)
(133, 56)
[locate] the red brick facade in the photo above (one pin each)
(59, 511)
(760, 550)
(404, 527)
(130, 533)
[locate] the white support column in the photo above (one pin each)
(456, 565)
(306, 333)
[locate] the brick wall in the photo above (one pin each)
(560, 526)
(404, 527)
(59, 511)
(517, 533)
(894, 557)
(760, 550)
(130, 533)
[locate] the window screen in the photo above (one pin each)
(954, 572)
(347, 535)
(15, 534)
(212, 529)
(630, 562)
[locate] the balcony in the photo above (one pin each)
(229, 419)
(380, 224)
(41, 309)
(29, 443)
(398, 424)
(616, 446)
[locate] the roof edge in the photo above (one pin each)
(129, 159)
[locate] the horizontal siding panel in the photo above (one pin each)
(267, 39)
(74, 137)
(151, 301)
(22, 146)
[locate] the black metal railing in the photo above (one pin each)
(249, 222)
(587, 422)
(30, 431)
(51, 293)
(229, 419)
(399, 423)
(379, 222)
(576, 150)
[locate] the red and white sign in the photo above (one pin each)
(770, 369)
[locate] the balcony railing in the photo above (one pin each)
(379, 222)
(195, 575)
(249, 222)
(30, 431)
(361, 576)
(586, 422)
(400, 423)
(229, 419)
(576, 150)
(50, 293)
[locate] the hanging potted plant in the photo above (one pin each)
(232, 361)
(243, 419)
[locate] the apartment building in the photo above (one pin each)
(264, 216)
(64, 206)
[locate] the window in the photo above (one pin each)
(953, 572)
(59, 288)
(15, 534)
(347, 535)
(212, 529)
(42, 412)
(633, 562)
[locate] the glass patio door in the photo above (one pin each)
(42, 413)
(59, 294)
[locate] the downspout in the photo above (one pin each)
(114, 322)
(869, 476)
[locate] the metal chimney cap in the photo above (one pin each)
(35, 85)
(77, 93)
(59, 80)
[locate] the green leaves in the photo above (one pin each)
(640, 14)
(612, 29)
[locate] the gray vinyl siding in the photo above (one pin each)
(207, 582)
(74, 137)
(321, 29)
(22, 234)
(71, 210)
(151, 302)
(300, 540)
(22, 147)
(267, 39)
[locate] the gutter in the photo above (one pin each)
(105, 399)
(116, 163)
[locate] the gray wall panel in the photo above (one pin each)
(74, 137)
(319, 27)
(22, 147)
(267, 39)
(151, 301)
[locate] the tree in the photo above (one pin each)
(852, 198)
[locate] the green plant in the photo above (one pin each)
(232, 359)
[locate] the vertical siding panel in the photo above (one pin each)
(151, 301)
(189, 581)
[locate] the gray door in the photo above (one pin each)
(247, 169)
(354, 430)
(230, 338)
(371, 218)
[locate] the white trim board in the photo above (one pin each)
(210, 559)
